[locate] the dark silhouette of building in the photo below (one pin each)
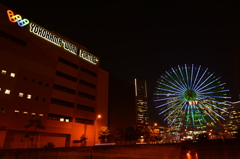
(122, 107)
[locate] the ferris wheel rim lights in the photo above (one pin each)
(193, 90)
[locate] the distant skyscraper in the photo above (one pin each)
(122, 106)
(232, 123)
(236, 75)
(141, 101)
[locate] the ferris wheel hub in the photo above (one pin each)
(190, 95)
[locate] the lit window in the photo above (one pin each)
(29, 96)
(7, 91)
(67, 120)
(4, 72)
(33, 114)
(40, 115)
(25, 113)
(16, 111)
(12, 74)
(61, 119)
(0, 89)
(20, 94)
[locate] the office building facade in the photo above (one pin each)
(51, 88)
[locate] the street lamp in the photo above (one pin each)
(95, 124)
(154, 127)
(155, 124)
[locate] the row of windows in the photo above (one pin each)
(66, 76)
(85, 83)
(53, 100)
(56, 86)
(85, 95)
(88, 72)
(71, 105)
(84, 107)
(13, 38)
(33, 81)
(29, 96)
(72, 91)
(52, 117)
(66, 62)
(62, 103)
(84, 121)
(69, 119)
(6, 91)
(25, 113)
(59, 117)
(64, 89)
(74, 79)
(73, 65)
(21, 94)
(4, 72)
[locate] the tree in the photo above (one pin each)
(118, 134)
(83, 140)
(103, 134)
(36, 124)
(131, 134)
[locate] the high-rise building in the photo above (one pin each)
(51, 88)
(232, 116)
(236, 75)
(141, 101)
(122, 107)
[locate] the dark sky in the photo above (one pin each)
(143, 39)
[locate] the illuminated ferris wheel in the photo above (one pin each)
(191, 97)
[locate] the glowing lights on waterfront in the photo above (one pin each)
(190, 96)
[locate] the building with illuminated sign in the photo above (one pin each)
(47, 79)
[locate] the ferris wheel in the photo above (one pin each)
(191, 97)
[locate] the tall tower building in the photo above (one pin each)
(236, 74)
(141, 102)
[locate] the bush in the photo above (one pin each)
(49, 145)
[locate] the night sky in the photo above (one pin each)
(143, 39)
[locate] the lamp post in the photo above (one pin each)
(95, 124)
(154, 132)
(155, 124)
(154, 127)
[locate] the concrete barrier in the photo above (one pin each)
(172, 151)
(185, 150)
